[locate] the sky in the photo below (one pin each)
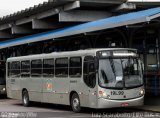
(10, 6)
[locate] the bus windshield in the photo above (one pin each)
(120, 72)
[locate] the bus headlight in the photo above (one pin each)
(141, 92)
(104, 94)
(4, 89)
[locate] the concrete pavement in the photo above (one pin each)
(15, 109)
(151, 103)
(150, 108)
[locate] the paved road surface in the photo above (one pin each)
(14, 108)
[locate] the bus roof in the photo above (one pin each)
(66, 53)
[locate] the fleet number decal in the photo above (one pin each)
(117, 92)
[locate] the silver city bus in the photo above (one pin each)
(95, 78)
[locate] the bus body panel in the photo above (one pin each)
(62, 89)
(106, 103)
(130, 97)
(48, 93)
(15, 87)
(83, 91)
(35, 89)
(8, 88)
(122, 94)
(57, 90)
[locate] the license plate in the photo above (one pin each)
(125, 104)
(117, 92)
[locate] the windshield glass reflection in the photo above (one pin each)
(120, 73)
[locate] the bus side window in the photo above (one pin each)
(75, 67)
(25, 68)
(89, 73)
(48, 67)
(15, 69)
(61, 67)
(36, 68)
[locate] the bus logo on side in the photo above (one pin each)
(49, 86)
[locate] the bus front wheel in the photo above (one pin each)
(25, 98)
(75, 103)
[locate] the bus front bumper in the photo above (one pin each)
(106, 103)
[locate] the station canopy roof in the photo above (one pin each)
(111, 22)
(56, 3)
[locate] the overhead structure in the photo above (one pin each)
(82, 16)
(112, 22)
(55, 14)
(145, 2)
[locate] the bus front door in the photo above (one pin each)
(92, 87)
(90, 81)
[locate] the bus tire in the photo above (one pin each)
(25, 98)
(75, 103)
